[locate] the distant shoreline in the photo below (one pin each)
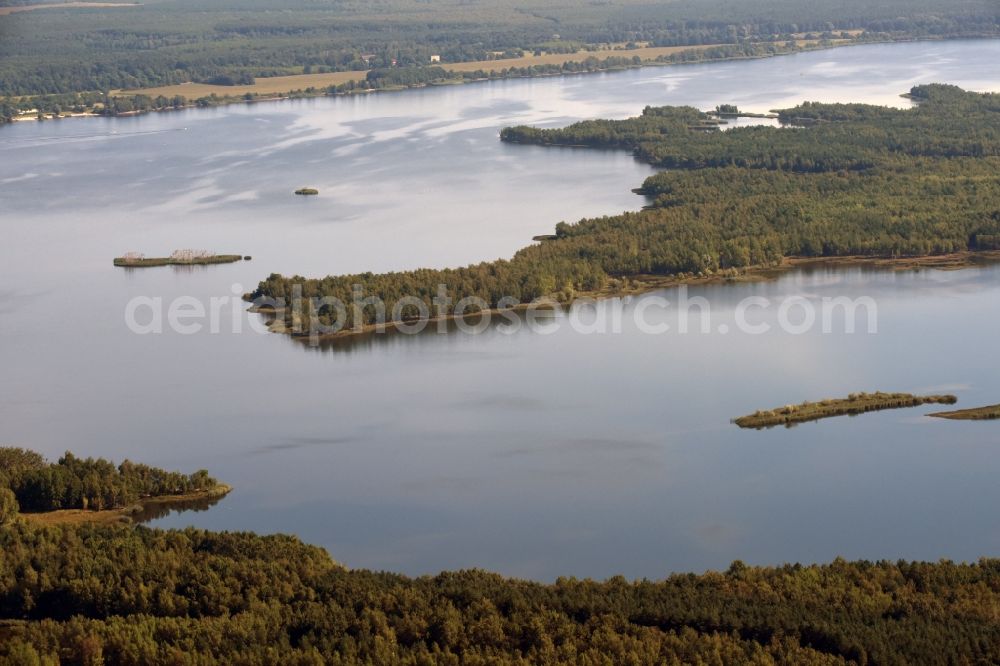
(228, 95)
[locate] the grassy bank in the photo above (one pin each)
(975, 414)
(858, 403)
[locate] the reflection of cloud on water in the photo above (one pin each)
(499, 401)
(574, 534)
(13, 299)
(458, 484)
(717, 536)
(292, 443)
(836, 69)
(673, 81)
(18, 179)
(247, 195)
(591, 445)
(8, 300)
(945, 388)
(497, 108)
(924, 419)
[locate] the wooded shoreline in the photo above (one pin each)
(642, 284)
(227, 95)
(747, 204)
(122, 514)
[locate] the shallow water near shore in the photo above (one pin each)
(533, 454)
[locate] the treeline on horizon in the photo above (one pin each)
(28, 482)
(61, 50)
(860, 180)
(135, 596)
(375, 79)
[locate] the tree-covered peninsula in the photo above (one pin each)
(840, 180)
(30, 483)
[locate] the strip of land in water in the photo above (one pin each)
(989, 413)
(856, 403)
(151, 262)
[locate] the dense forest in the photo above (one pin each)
(76, 483)
(66, 50)
(131, 595)
(858, 180)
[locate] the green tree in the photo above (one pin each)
(8, 506)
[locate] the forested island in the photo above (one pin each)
(867, 182)
(856, 403)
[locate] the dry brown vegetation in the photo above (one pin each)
(276, 85)
(975, 414)
(856, 403)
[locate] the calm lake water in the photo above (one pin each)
(530, 454)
